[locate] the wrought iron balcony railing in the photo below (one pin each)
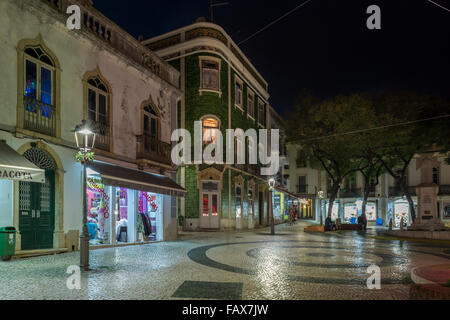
(150, 148)
(396, 191)
(102, 138)
(444, 190)
(39, 116)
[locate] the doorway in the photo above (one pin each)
(209, 206)
(37, 204)
(37, 213)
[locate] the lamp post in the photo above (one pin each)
(321, 196)
(272, 221)
(85, 139)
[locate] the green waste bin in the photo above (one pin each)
(7, 243)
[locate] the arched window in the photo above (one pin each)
(39, 75)
(98, 106)
(39, 90)
(98, 98)
(210, 125)
(151, 122)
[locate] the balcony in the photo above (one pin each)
(39, 116)
(444, 190)
(351, 193)
(397, 192)
(102, 138)
(152, 149)
(95, 23)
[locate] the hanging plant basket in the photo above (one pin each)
(84, 158)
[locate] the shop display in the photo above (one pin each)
(130, 215)
(350, 212)
(401, 210)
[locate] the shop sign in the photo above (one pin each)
(21, 175)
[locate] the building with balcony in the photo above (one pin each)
(386, 200)
(223, 90)
(53, 79)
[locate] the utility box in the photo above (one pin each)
(7, 243)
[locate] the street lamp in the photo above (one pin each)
(271, 183)
(85, 139)
(321, 196)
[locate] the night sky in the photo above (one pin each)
(324, 47)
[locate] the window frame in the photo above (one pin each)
(39, 65)
(219, 70)
(99, 92)
(250, 93)
(263, 104)
(151, 116)
(241, 82)
(20, 127)
(209, 117)
(109, 103)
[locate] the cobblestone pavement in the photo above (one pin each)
(230, 265)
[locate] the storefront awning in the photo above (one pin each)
(117, 176)
(13, 166)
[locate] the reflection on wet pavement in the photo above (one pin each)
(250, 265)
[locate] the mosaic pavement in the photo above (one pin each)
(247, 265)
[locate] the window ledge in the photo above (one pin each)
(249, 116)
(219, 92)
(239, 107)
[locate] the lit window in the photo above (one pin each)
(39, 75)
(210, 127)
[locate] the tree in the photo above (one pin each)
(411, 135)
(321, 130)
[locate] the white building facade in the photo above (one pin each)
(385, 201)
(53, 79)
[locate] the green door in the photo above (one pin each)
(37, 213)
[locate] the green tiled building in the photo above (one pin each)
(225, 91)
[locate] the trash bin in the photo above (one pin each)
(7, 243)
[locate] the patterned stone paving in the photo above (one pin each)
(248, 265)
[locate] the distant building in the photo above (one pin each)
(386, 200)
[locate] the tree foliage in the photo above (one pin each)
(354, 133)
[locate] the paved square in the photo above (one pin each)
(209, 290)
(250, 265)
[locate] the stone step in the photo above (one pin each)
(38, 253)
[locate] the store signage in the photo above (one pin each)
(21, 175)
